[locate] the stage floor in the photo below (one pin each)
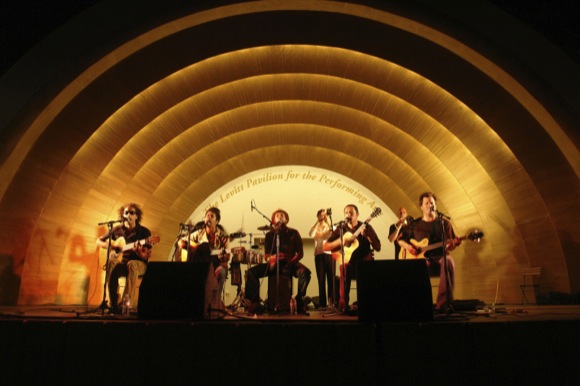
(514, 344)
(499, 314)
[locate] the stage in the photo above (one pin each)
(77, 345)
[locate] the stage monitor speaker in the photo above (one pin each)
(172, 290)
(394, 291)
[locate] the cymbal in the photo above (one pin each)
(237, 235)
(264, 228)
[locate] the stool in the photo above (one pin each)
(285, 292)
(122, 283)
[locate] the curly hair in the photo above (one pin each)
(137, 209)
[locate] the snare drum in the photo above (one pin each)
(239, 255)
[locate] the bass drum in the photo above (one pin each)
(239, 255)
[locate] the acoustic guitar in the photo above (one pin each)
(119, 245)
(351, 243)
(423, 246)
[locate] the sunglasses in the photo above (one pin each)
(131, 212)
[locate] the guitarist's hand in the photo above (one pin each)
(410, 248)
(348, 241)
(454, 243)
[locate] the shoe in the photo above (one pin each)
(255, 309)
(303, 311)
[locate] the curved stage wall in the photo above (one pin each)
(167, 104)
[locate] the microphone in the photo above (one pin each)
(110, 222)
(329, 211)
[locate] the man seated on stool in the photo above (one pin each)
(290, 252)
(124, 260)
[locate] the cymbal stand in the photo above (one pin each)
(240, 299)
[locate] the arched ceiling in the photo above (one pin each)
(177, 105)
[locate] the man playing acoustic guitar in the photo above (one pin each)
(126, 257)
(429, 230)
(208, 243)
(359, 240)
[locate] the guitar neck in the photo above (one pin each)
(150, 240)
(439, 244)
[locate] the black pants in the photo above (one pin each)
(325, 273)
(298, 270)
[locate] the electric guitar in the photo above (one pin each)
(423, 246)
(119, 245)
(351, 241)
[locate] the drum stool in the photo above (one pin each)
(285, 291)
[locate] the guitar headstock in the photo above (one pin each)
(475, 236)
(153, 240)
(376, 212)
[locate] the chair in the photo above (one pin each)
(531, 279)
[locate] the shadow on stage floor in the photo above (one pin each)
(75, 345)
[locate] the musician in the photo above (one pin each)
(323, 260)
(367, 240)
(132, 262)
(208, 243)
(429, 228)
(397, 229)
(291, 252)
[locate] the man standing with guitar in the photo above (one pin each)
(359, 240)
(126, 257)
(433, 228)
(397, 229)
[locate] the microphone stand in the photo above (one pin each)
(441, 217)
(342, 271)
(277, 307)
(109, 225)
(332, 307)
(176, 248)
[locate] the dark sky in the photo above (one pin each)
(23, 23)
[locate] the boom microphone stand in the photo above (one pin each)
(109, 225)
